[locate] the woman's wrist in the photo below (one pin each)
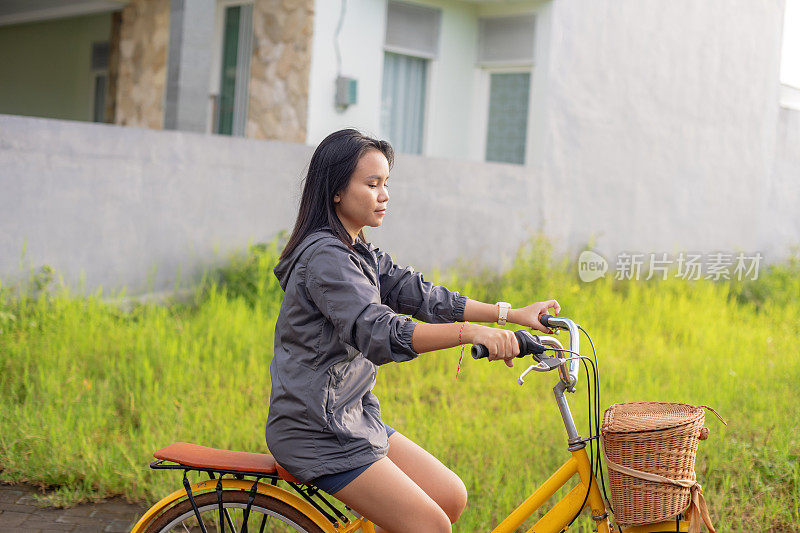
(468, 332)
(476, 311)
(513, 316)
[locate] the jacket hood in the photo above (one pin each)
(285, 266)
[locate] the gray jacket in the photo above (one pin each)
(338, 322)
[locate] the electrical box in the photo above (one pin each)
(346, 91)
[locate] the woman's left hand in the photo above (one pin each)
(529, 315)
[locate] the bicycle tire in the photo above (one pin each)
(283, 517)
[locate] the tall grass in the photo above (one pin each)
(88, 391)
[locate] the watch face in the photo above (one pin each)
(502, 312)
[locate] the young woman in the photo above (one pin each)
(342, 317)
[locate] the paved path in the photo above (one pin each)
(20, 514)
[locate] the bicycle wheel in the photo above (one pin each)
(267, 514)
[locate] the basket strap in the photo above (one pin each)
(697, 508)
(715, 412)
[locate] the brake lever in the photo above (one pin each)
(545, 364)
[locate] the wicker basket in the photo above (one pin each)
(650, 450)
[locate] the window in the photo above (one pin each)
(412, 30)
(505, 55)
(231, 109)
(403, 101)
(506, 131)
(412, 40)
(505, 40)
(99, 80)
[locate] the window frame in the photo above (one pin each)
(94, 74)
(483, 86)
(216, 61)
(424, 146)
(404, 51)
(483, 74)
(431, 72)
(501, 63)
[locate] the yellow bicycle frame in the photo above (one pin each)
(560, 515)
(555, 520)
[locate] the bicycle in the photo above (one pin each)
(260, 504)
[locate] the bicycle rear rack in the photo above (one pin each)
(307, 492)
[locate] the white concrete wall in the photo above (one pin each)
(653, 127)
(449, 116)
(122, 206)
(361, 46)
(778, 216)
(662, 125)
(647, 120)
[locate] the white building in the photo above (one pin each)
(636, 125)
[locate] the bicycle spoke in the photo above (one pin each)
(230, 521)
(233, 520)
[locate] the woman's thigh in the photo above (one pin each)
(389, 498)
(433, 477)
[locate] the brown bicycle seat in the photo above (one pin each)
(285, 475)
(188, 454)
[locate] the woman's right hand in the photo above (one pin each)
(501, 343)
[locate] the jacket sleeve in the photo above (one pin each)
(342, 292)
(406, 292)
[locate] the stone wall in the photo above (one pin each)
(144, 37)
(279, 72)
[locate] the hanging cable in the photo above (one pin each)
(593, 459)
(601, 476)
(336, 39)
(594, 428)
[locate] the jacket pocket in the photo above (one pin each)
(332, 415)
(344, 411)
(330, 395)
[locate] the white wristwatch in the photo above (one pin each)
(502, 316)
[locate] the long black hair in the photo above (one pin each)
(329, 171)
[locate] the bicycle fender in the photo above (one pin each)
(237, 484)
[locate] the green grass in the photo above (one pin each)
(88, 391)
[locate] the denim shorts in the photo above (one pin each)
(331, 483)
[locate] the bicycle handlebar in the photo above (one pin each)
(532, 345)
(528, 344)
(570, 368)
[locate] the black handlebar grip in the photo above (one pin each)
(528, 344)
(479, 351)
(545, 320)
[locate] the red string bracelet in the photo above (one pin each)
(460, 357)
